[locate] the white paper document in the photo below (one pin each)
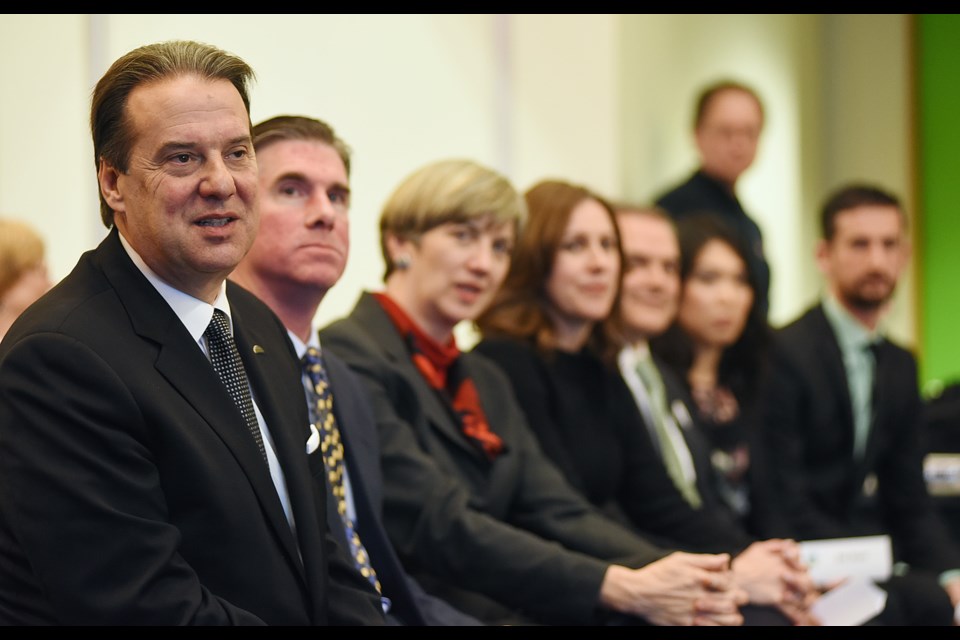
(868, 557)
(851, 604)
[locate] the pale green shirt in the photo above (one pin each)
(860, 365)
(858, 362)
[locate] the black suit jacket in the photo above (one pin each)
(685, 414)
(511, 529)
(131, 491)
(807, 434)
(764, 519)
(587, 421)
(702, 193)
(410, 604)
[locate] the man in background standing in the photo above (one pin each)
(727, 126)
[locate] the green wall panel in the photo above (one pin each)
(938, 247)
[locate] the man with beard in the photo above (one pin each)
(842, 414)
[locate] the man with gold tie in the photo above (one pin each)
(299, 254)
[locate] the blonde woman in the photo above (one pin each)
(471, 503)
(23, 270)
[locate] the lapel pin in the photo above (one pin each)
(258, 349)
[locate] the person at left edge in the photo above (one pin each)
(300, 253)
(134, 490)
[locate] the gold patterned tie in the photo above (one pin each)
(321, 412)
(648, 373)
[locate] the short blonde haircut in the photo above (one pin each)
(21, 249)
(447, 191)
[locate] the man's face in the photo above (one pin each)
(304, 237)
(866, 256)
(728, 134)
(188, 201)
(651, 274)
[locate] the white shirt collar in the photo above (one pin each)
(300, 346)
(195, 314)
(631, 354)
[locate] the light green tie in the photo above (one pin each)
(861, 372)
(650, 376)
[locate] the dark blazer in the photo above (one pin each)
(130, 489)
(511, 529)
(410, 604)
(764, 519)
(685, 414)
(587, 421)
(807, 432)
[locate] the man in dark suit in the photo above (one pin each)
(841, 419)
(300, 252)
(728, 120)
(155, 460)
(649, 299)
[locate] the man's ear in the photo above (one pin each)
(698, 139)
(109, 176)
(906, 253)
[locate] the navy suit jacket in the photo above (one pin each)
(131, 491)
(410, 604)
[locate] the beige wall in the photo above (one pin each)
(46, 160)
(668, 58)
(599, 99)
(868, 122)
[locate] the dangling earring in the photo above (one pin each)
(402, 263)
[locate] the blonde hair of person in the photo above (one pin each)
(21, 249)
(455, 190)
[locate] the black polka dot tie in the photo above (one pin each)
(226, 362)
(321, 412)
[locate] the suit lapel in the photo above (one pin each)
(356, 467)
(289, 432)
(357, 434)
(182, 363)
(831, 363)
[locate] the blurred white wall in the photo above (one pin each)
(600, 99)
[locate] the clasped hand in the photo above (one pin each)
(771, 572)
(679, 589)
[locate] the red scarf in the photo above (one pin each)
(434, 361)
